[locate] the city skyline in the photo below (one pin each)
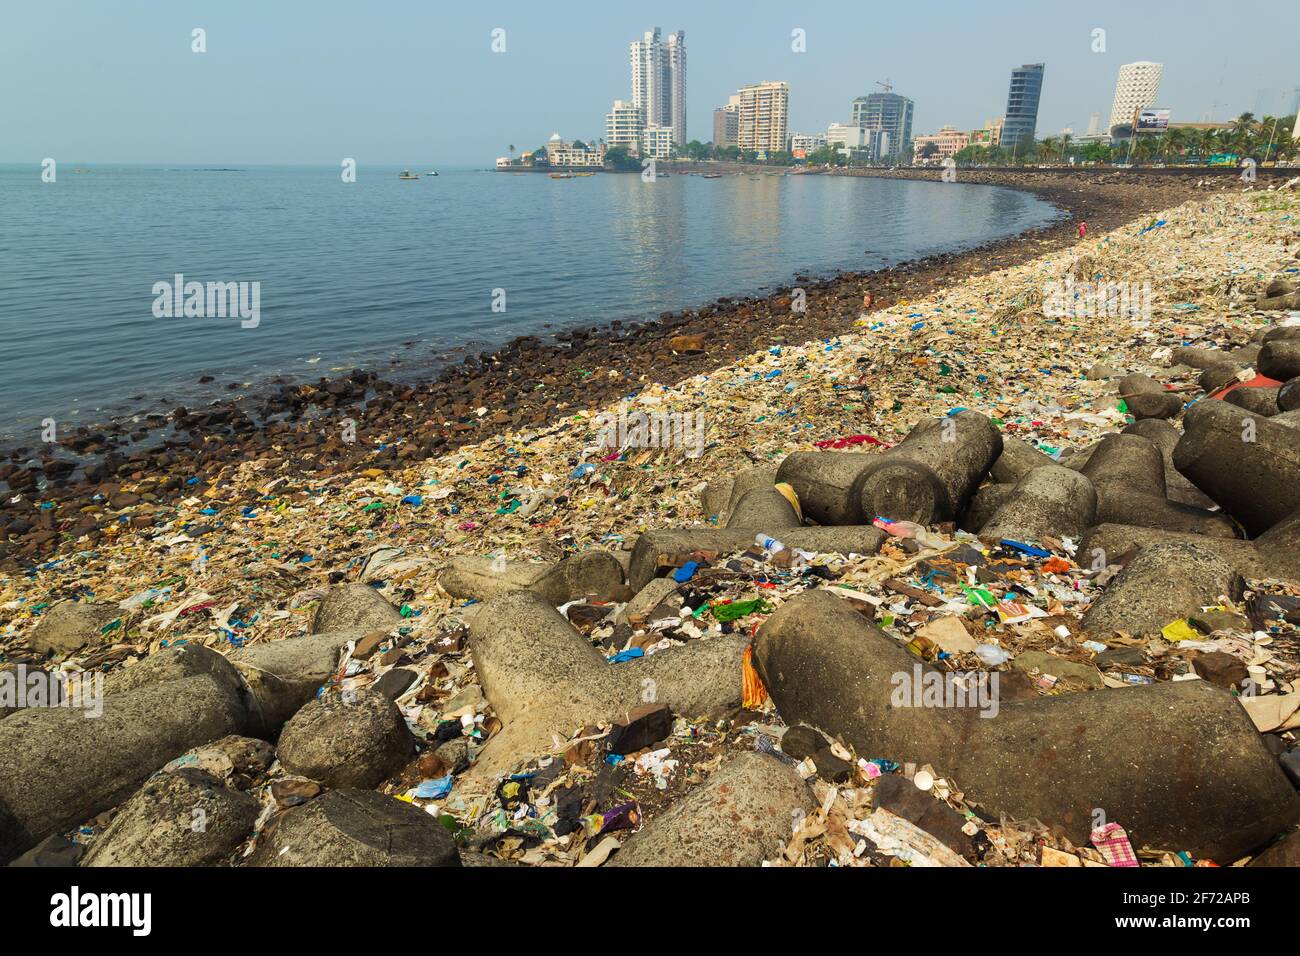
(276, 87)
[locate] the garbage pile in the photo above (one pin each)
(994, 581)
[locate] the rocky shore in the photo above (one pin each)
(932, 564)
(332, 425)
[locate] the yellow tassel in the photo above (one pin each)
(754, 694)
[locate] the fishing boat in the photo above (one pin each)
(432, 172)
(561, 175)
(407, 174)
(711, 175)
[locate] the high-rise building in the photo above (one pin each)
(764, 110)
(675, 55)
(659, 80)
(1135, 90)
(624, 124)
(1021, 120)
(726, 123)
(886, 113)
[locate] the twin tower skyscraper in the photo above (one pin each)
(659, 80)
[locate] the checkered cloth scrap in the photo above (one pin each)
(1113, 843)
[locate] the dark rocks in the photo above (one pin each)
(901, 797)
(1259, 400)
(743, 814)
(70, 625)
(54, 851)
(1054, 758)
(1164, 582)
(182, 818)
(639, 728)
(394, 683)
(832, 767)
(1220, 669)
(1018, 458)
(1288, 396)
(1249, 464)
(355, 828)
(800, 742)
(343, 741)
(1285, 852)
(284, 675)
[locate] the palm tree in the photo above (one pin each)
(1047, 148)
(1066, 140)
(512, 152)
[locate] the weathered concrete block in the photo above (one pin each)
(742, 815)
(1048, 502)
(1196, 777)
(354, 607)
(585, 574)
(355, 828)
(1260, 400)
(1164, 435)
(765, 509)
(928, 477)
(183, 818)
(1288, 396)
(1280, 359)
(1018, 458)
(59, 767)
(284, 675)
(69, 626)
(341, 741)
(1164, 582)
(1249, 464)
(1128, 473)
(543, 679)
(984, 505)
(1146, 398)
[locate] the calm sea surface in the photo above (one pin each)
(382, 269)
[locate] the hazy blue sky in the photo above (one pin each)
(416, 83)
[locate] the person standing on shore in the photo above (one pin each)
(1083, 228)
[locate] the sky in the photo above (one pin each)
(417, 83)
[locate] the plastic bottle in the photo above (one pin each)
(768, 544)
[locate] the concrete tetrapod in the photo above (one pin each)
(928, 477)
(59, 766)
(596, 573)
(743, 814)
(1195, 777)
(656, 550)
(1164, 435)
(1049, 502)
(1128, 473)
(545, 680)
(1249, 464)
(1147, 398)
(1274, 554)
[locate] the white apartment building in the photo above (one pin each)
(1135, 89)
(657, 141)
(624, 124)
(764, 112)
(806, 141)
(659, 80)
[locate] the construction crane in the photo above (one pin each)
(886, 85)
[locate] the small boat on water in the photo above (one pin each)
(711, 175)
(432, 172)
(407, 174)
(561, 175)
